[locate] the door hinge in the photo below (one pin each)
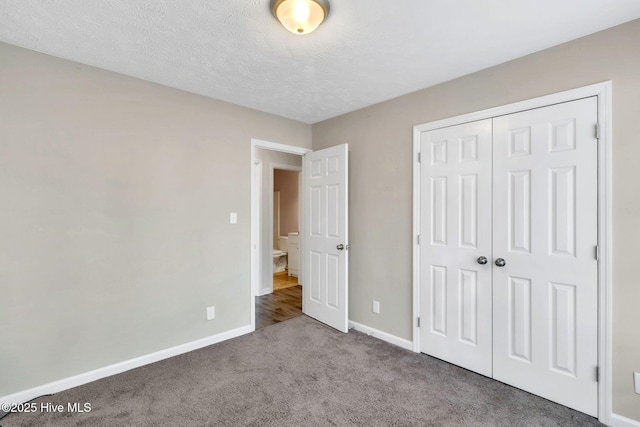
(597, 130)
(597, 253)
(597, 373)
(418, 322)
(418, 239)
(419, 157)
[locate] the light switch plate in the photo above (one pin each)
(376, 307)
(636, 381)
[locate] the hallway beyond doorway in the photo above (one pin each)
(281, 305)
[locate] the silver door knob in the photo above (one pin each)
(500, 262)
(482, 260)
(340, 247)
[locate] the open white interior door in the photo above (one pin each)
(326, 242)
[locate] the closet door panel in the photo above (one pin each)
(456, 230)
(545, 229)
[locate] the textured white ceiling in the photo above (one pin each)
(366, 52)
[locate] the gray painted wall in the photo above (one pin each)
(114, 226)
(380, 142)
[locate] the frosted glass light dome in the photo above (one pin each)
(300, 16)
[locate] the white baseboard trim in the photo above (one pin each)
(620, 421)
(392, 339)
(117, 368)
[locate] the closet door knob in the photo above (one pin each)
(340, 247)
(482, 260)
(500, 262)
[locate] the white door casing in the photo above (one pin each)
(256, 215)
(456, 217)
(545, 228)
(325, 225)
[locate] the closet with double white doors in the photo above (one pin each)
(508, 263)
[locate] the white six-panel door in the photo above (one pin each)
(545, 228)
(456, 222)
(520, 190)
(325, 250)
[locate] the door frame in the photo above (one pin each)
(603, 92)
(257, 212)
(256, 251)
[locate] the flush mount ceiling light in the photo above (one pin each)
(300, 16)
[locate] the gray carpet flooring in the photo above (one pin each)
(301, 373)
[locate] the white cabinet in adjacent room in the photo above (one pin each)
(294, 254)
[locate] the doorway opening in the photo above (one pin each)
(324, 240)
(276, 226)
(282, 299)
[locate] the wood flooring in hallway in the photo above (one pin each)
(281, 305)
(283, 280)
